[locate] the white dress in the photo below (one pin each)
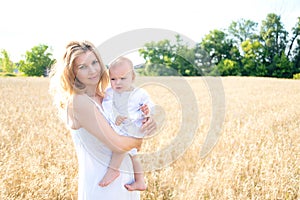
(93, 159)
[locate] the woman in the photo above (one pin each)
(78, 86)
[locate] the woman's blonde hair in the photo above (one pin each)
(64, 84)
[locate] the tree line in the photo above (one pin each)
(240, 50)
(36, 63)
(243, 49)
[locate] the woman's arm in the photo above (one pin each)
(90, 118)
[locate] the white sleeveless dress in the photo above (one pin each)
(93, 159)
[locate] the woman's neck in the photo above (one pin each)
(96, 97)
(91, 92)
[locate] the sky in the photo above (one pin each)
(25, 24)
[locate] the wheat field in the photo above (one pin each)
(257, 155)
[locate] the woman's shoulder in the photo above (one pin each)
(81, 100)
(79, 97)
(76, 105)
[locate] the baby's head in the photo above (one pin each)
(121, 74)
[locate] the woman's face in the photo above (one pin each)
(88, 69)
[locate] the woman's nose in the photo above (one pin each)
(92, 69)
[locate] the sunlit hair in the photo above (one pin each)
(64, 84)
(121, 61)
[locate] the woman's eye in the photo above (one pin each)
(123, 78)
(82, 67)
(95, 62)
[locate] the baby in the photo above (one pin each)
(129, 106)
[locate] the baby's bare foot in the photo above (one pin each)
(136, 186)
(109, 177)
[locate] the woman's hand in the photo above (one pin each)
(149, 126)
(145, 109)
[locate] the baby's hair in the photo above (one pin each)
(121, 60)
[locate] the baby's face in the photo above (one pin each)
(121, 77)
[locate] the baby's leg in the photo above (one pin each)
(113, 169)
(139, 183)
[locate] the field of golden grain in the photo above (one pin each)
(257, 156)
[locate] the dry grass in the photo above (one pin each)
(257, 156)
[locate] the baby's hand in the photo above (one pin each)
(145, 109)
(120, 119)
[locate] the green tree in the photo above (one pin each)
(296, 58)
(243, 30)
(184, 59)
(295, 48)
(37, 61)
(159, 58)
(228, 67)
(202, 60)
(274, 38)
(283, 67)
(165, 59)
(240, 31)
(252, 60)
(6, 63)
(217, 45)
(296, 33)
